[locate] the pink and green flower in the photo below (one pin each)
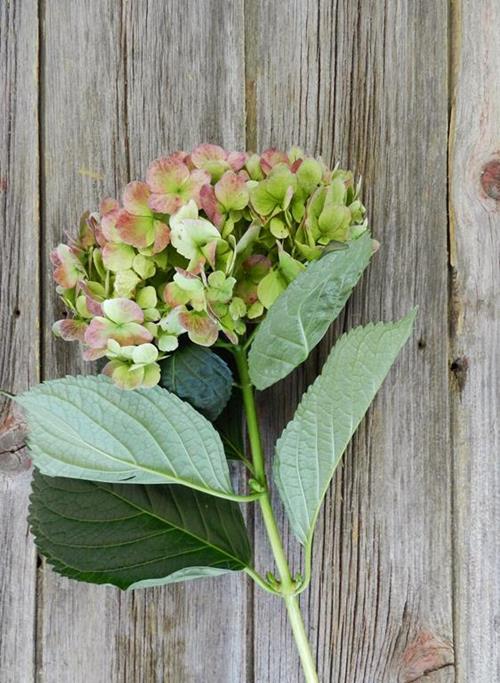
(133, 367)
(173, 184)
(122, 321)
(216, 161)
(204, 246)
(68, 269)
(136, 223)
(194, 237)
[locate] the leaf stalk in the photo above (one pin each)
(287, 586)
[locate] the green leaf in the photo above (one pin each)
(87, 428)
(229, 424)
(311, 445)
(199, 376)
(300, 317)
(135, 536)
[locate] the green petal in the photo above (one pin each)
(270, 288)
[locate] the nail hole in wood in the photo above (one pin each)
(459, 369)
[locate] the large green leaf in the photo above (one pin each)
(135, 536)
(311, 445)
(300, 317)
(229, 424)
(87, 428)
(201, 377)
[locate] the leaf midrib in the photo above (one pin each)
(135, 464)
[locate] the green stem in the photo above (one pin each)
(287, 583)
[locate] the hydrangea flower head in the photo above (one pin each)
(200, 250)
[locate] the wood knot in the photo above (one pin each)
(490, 179)
(425, 654)
(14, 458)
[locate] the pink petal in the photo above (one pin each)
(165, 203)
(93, 354)
(232, 336)
(231, 191)
(98, 332)
(107, 205)
(69, 329)
(135, 230)
(201, 329)
(208, 203)
(179, 155)
(131, 334)
(207, 152)
(237, 160)
(86, 233)
(68, 268)
(108, 226)
(209, 251)
(195, 184)
(135, 198)
(162, 237)
(270, 157)
(121, 310)
(92, 304)
(117, 256)
(174, 296)
(165, 176)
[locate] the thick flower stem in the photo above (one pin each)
(287, 584)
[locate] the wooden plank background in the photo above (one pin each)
(406, 92)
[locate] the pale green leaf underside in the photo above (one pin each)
(87, 428)
(135, 536)
(312, 444)
(300, 317)
(189, 574)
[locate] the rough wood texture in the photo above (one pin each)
(19, 309)
(184, 74)
(395, 583)
(84, 158)
(475, 337)
(380, 604)
(110, 106)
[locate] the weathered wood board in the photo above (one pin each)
(475, 338)
(19, 328)
(407, 557)
(370, 619)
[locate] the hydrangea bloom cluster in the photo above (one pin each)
(202, 247)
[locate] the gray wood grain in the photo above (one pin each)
(123, 85)
(395, 582)
(475, 337)
(84, 158)
(369, 89)
(184, 75)
(19, 348)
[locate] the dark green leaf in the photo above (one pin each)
(135, 535)
(200, 377)
(229, 424)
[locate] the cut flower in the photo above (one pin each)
(202, 248)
